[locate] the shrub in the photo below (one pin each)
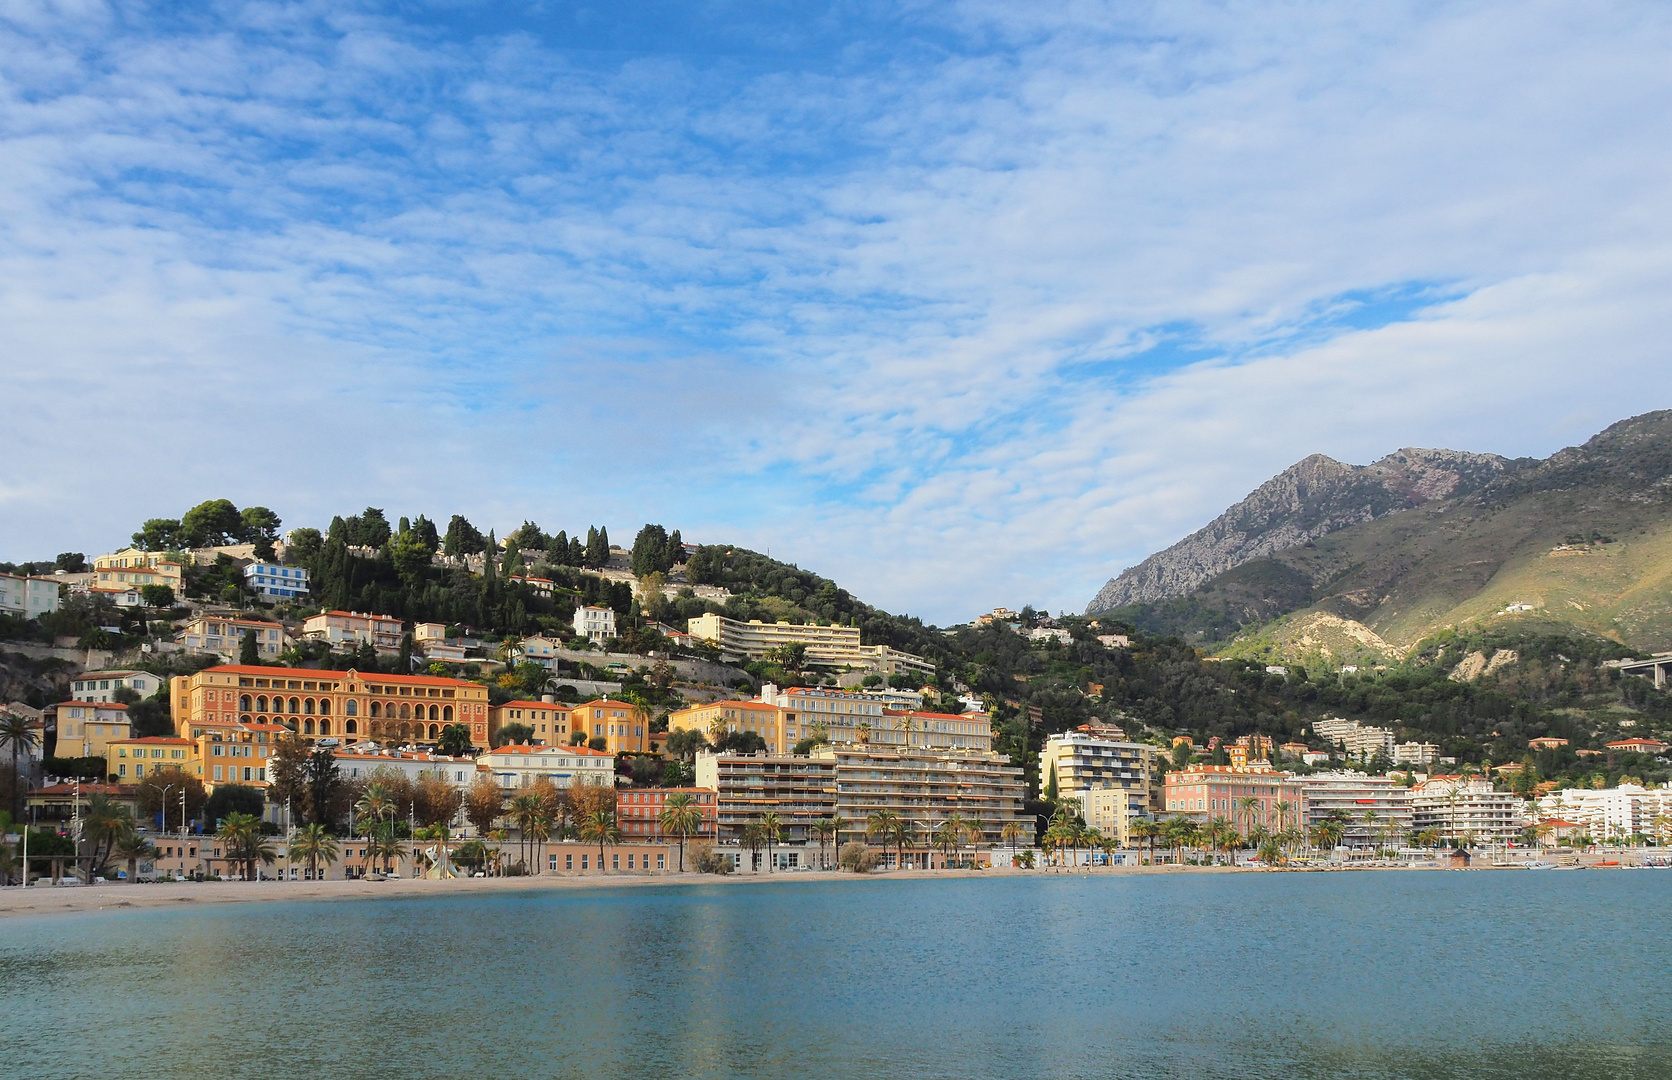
(856, 858)
(707, 861)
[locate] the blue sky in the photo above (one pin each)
(962, 304)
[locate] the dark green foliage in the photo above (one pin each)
(248, 653)
(654, 550)
(455, 740)
(462, 538)
(513, 734)
(1248, 595)
(369, 528)
(71, 562)
(230, 799)
(325, 785)
(87, 768)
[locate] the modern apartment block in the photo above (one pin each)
(1466, 808)
(275, 581)
(1110, 778)
(1360, 741)
(1377, 808)
(925, 788)
(800, 790)
(785, 717)
(832, 646)
(1616, 813)
(1205, 792)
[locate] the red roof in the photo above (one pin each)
(536, 705)
(607, 702)
(527, 748)
(316, 673)
(93, 705)
(1638, 742)
(156, 740)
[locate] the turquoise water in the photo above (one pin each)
(1423, 975)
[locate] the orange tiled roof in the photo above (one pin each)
(321, 673)
(536, 705)
(93, 705)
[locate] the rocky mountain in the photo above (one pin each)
(1305, 502)
(1582, 539)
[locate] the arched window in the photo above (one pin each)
(244, 719)
(350, 727)
(307, 706)
(406, 712)
(244, 703)
(447, 714)
(434, 731)
(435, 713)
(295, 706)
(351, 708)
(261, 703)
(406, 731)
(307, 727)
(325, 706)
(377, 708)
(325, 727)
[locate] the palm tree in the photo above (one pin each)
(387, 847)
(884, 825)
(1248, 809)
(1370, 819)
(1012, 832)
(946, 837)
(975, 830)
(907, 726)
(1283, 809)
(134, 847)
(754, 838)
(681, 816)
(599, 828)
(772, 830)
(17, 733)
(105, 823)
(525, 811)
(862, 731)
(312, 845)
(1145, 829)
(245, 843)
(826, 829)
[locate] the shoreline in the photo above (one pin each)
(41, 899)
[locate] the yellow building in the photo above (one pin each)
(133, 761)
(548, 719)
(624, 727)
(224, 634)
(341, 705)
(722, 717)
(235, 753)
(87, 728)
(136, 568)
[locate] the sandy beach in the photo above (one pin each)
(41, 899)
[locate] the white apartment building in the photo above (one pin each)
(1416, 753)
(383, 632)
(1361, 741)
(1377, 808)
(1109, 777)
(832, 646)
(1460, 808)
(355, 764)
(1616, 813)
(26, 596)
(276, 581)
(520, 765)
(101, 685)
(595, 624)
(841, 712)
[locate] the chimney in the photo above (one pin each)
(548, 698)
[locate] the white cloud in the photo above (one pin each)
(881, 307)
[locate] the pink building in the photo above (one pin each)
(1205, 792)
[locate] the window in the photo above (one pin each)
(583, 861)
(661, 861)
(569, 862)
(615, 862)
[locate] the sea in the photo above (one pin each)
(1522, 975)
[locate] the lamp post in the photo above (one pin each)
(162, 804)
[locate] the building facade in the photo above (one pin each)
(1376, 810)
(337, 705)
(639, 813)
(1110, 778)
(25, 596)
(785, 717)
(1613, 814)
(925, 788)
(623, 726)
(595, 624)
(831, 646)
(86, 729)
(131, 566)
(224, 636)
(1205, 792)
(1466, 809)
(100, 685)
(519, 765)
(134, 761)
(381, 632)
(276, 581)
(800, 790)
(548, 719)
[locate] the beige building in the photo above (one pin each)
(549, 720)
(925, 788)
(342, 705)
(382, 632)
(800, 790)
(1377, 809)
(86, 729)
(831, 646)
(624, 727)
(134, 761)
(1108, 776)
(519, 766)
(1460, 808)
(224, 635)
(100, 685)
(28, 597)
(785, 717)
(131, 566)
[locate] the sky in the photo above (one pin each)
(960, 304)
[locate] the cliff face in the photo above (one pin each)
(1309, 500)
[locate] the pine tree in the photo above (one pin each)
(248, 653)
